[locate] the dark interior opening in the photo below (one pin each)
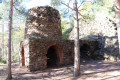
(22, 56)
(85, 52)
(52, 57)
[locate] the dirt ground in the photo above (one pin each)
(90, 70)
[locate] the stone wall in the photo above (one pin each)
(38, 50)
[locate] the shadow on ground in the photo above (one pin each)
(98, 70)
(90, 70)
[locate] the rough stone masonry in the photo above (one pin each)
(43, 45)
(104, 30)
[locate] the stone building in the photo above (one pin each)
(43, 45)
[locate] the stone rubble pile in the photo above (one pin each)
(103, 30)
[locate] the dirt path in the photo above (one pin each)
(92, 70)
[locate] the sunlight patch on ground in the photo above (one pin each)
(2, 78)
(93, 79)
(88, 72)
(115, 73)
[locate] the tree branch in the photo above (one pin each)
(18, 9)
(84, 2)
(72, 9)
(82, 9)
(81, 15)
(81, 3)
(66, 5)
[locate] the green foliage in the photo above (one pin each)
(100, 2)
(4, 10)
(85, 38)
(19, 8)
(87, 11)
(106, 6)
(17, 28)
(55, 3)
(2, 60)
(17, 37)
(66, 28)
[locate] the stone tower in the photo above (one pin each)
(43, 22)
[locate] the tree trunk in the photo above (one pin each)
(3, 39)
(117, 12)
(76, 41)
(9, 39)
(12, 49)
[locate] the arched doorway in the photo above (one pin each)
(52, 57)
(22, 56)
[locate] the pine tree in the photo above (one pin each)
(9, 40)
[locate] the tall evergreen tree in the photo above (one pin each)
(9, 39)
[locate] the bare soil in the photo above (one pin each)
(90, 70)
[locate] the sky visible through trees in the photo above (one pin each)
(34, 3)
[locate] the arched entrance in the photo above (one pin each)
(22, 56)
(53, 56)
